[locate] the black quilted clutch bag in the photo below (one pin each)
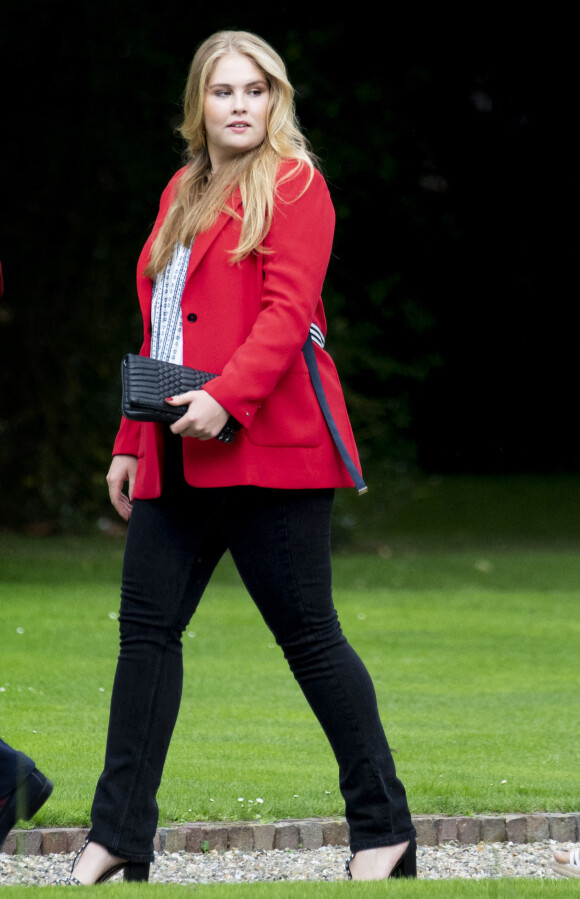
(146, 382)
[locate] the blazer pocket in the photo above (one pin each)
(290, 416)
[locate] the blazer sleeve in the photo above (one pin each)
(298, 246)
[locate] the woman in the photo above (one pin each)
(230, 281)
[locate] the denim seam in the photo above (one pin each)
(144, 741)
(147, 729)
(331, 670)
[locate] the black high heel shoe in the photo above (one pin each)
(135, 871)
(405, 867)
(24, 801)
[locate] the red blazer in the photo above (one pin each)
(248, 322)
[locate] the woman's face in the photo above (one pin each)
(235, 108)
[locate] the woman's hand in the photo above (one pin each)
(204, 419)
(123, 469)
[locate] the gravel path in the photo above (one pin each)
(485, 860)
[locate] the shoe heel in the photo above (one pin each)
(410, 860)
(137, 871)
(37, 789)
(407, 867)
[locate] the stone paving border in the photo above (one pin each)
(313, 833)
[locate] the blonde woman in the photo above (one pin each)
(230, 282)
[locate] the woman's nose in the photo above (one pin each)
(239, 103)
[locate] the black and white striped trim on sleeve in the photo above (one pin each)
(317, 335)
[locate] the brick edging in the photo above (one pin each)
(313, 833)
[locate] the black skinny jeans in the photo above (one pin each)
(280, 543)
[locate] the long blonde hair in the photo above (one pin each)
(200, 198)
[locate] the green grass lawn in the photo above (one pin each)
(472, 643)
(446, 889)
(460, 511)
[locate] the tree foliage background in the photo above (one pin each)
(447, 148)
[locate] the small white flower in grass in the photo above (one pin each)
(101, 689)
(504, 781)
(259, 800)
(34, 731)
(2, 689)
(327, 792)
(251, 801)
(240, 798)
(19, 630)
(191, 634)
(211, 800)
(295, 795)
(113, 616)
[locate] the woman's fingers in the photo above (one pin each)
(123, 471)
(204, 418)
